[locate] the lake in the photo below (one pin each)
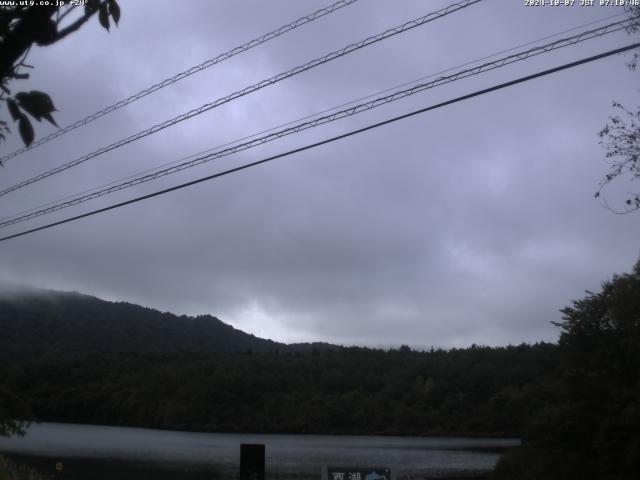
(101, 452)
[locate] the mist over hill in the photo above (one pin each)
(46, 323)
(76, 358)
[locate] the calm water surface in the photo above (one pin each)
(287, 456)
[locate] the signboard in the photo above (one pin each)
(358, 473)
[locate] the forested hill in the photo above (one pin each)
(75, 358)
(36, 323)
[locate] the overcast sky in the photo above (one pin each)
(473, 223)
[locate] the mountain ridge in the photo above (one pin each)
(40, 323)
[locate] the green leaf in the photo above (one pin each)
(49, 118)
(45, 32)
(37, 104)
(114, 10)
(14, 110)
(103, 15)
(26, 130)
(91, 6)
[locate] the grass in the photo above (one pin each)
(12, 471)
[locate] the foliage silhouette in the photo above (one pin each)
(621, 137)
(21, 27)
(592, 428)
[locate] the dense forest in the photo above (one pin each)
(475, 391)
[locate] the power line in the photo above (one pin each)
(245, 91)
(306, 117)
(330, 140)
(291, 122)
(499, 63)
(184, 74)
(299, 119)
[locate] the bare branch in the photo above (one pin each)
(74, 26)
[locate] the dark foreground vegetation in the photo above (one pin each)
(10, 470)
(591, 429)
(24, 467)
(576, 405)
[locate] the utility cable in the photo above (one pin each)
(499, 63)
(186, 73)
(330, 140)
(245, 91)
(306, 117)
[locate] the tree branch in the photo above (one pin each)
(75, 25)
(17, 42)
(21, 37)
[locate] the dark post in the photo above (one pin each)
(252, 461)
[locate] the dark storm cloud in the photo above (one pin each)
(474, 223)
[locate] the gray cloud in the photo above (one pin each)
(473, 223)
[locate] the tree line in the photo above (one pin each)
(473, 391)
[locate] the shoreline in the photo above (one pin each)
(85, 468)
(196, 429)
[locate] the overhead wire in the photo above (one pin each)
(184, 74)
(291, 122)
(306, 117)
(397, 95)
(331, 139)
(252, 88)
